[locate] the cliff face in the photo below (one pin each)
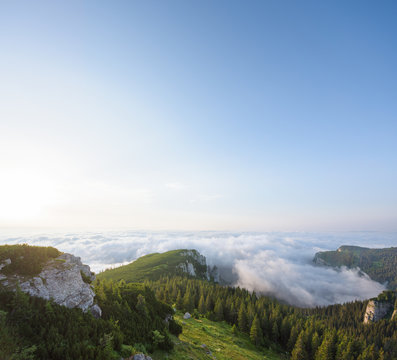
(376, 310)
(64, 279)
(195, 264)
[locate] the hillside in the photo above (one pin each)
(44, 301)
(379, 264)
(203, 338)
(170, 263)
(225, 323)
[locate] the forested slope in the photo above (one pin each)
(379, 264)
(335, 332)
(136, 317)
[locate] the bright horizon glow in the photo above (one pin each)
(198, 116)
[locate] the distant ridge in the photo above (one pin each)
(379, 264)
(153, 266)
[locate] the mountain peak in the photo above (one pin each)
(182, 262)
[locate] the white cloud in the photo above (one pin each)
(278, 264)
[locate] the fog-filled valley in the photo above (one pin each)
(277, 264)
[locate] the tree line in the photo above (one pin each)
(335, 332)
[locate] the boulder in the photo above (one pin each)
(141, 357)
(187, 316)
(96, 311)
(4, 263)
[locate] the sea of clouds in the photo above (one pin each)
(277, 263)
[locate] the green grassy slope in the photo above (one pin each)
(201, 336)
(153, 266)
(379, 264)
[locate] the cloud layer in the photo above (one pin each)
(278, 264)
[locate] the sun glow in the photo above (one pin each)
(24, 194)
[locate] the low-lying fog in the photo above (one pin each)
(279, 264)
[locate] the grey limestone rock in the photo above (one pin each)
(61, 280)
(5, 263)
(141, 357)
(195, 255)
(376, 310)
(96, 311)
(187, 316)
(213, 273)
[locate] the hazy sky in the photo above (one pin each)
(233, 115)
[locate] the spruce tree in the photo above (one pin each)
(188, 301)
(209, 304)
(179, 301)
(299, 352)
(201, 306)
(242, 319)
(218, 310)
(327, 349)
(256, 335)
(275, 332)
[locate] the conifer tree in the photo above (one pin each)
(201, 306)
(242, 318)
(285, 331)
(327, 349)
(299, 352)
(218, 310)
(316, 342)
(256, 335)
(209, 304)
(179, 300)
(188, 301)
(275, 332)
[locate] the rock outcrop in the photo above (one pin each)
(188, 268)
(376, 310)
(195, 264)
(213, 274)
(195, 255)
(65, 280)
(318, 260)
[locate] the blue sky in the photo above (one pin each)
(226, 115)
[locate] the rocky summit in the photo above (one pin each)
(65, 280)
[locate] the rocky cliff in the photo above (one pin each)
(376, 310)
(64, 279)
(381, 307)
(195, 264)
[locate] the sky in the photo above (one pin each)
(198, 115)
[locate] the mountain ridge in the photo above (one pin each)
(187, 262)
(380, 264)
